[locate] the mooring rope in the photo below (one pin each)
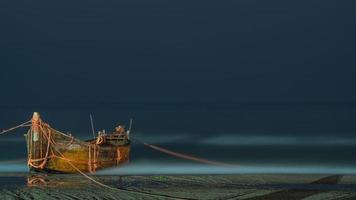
(157, 148)
(107, 186)
(25, 124)
(61, 156)
(184, 156)
(31, 161)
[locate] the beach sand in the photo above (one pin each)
(247, 186)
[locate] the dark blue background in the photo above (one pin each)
(188, 69)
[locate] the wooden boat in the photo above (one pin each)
(52, 151)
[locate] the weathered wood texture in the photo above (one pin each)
(54, 152)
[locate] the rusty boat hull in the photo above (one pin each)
(52, 151)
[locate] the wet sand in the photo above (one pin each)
(248, 186)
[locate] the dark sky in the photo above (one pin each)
(244, 81)
(95, 53)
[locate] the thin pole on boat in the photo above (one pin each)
(129, 131)
(130, 125)
(92, 125)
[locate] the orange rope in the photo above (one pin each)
(15, 127)
(61, 156)
(29, 143)
(47, 134)
(107, 186)
(118, 156)
(45, 158)
(41, 144)
(100, 140)
(50, 142)
(64, 145)
(35, 181)
(185, 156)
(95, 157)
(79, 161)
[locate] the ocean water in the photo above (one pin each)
(256, 138)
(268, 86)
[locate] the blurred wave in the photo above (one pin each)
(146, 168)
(161, 139)
(275, 140)
(8, 166)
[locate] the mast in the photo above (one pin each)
(92, 125)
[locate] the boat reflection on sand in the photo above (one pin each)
(253, 187)
(67, 181)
